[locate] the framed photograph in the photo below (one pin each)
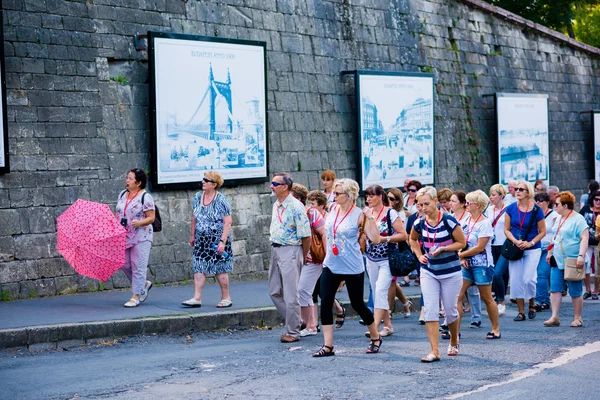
(395, 128)
(523, 149)
(209, 109)
(596, 129)
(4, 162)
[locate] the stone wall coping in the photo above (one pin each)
(518, 20)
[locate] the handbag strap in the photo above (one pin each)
(530, 225)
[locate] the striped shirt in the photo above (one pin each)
(441, 235)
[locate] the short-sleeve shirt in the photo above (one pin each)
(349, 259)
(519, 221)
(446, 262)
(498, 226)
(551, 219)
(379, 252)
(569, 234)
(135, 210)
(477, 230)
(289, 223)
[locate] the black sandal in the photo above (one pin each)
(340, 318)
(520, 317)
(374, 348)
(323, 353)
(531, 313)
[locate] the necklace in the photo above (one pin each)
(211, 200)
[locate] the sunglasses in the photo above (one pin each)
(597, 199)
(412, 190)
(392, 198)
(468, 203)
(338, 193)
(557, 204)
(275, 184)
(540, 201)
(521, 189)
(207, 180)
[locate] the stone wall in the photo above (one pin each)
(74, 129)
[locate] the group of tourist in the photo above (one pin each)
(470, 247)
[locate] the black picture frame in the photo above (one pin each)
(4, 156)
(406, 97)
(231, 71)
(522, 129)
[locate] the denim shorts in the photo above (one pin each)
(480, 276)
(557, 281)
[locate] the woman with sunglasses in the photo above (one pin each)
(396, 201)
(211, 239)
(495, 213)
(410, 200)
(343, 261)
(523, 272)
(135, 211)
(590, 213)
(542, 294)
(570, 241)
(378, 267)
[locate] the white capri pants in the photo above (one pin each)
(380, 279)
(136, 265)
(592, 267)
(440, 287)
(523, 275)
(308, 279)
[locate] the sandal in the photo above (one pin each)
(132, 303)
(324, 353)
(374, 348)
(453, 350)
(545, 306)
(224, 303)
(492, 335)
(340, 318)
(429, 358)
(407, 306)
(520, 317)
(417, 282)
(552, 322)
(531, 314)
(446, 335)
(386, 332)
(577, 323)
(404, 283)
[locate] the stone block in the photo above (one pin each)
(127, 327)
(9, 292)
(67, 284)
(42, 335)
(170, 325)
(10, 338)
(53, 267)
(11, 224)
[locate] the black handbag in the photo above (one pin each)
(401, 259)
(511, 251)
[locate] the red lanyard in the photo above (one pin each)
(470, 228)
(129, 201)
(461, 216)
(432, 242)
(561, 223)
(280, 215)
(335, 227)
(379, 215)
(522, 221)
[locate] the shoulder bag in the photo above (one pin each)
(317, 250)
(572, 272)
(511, 251)
(401, 259)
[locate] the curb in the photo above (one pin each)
(44, 337)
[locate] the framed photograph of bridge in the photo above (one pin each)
(395, 128)
(4, 161)
(596, 130)
(522, 128)
(209, 109)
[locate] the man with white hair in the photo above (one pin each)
(553, 193)
(510, 197)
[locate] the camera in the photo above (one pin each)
(124, 222)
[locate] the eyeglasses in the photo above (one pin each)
(557, 204)
(275, 184)
(338, 193)
(412, 190)
(207, 180)
(521, 189)
(596, 198)
(392, 198)
(468, 203)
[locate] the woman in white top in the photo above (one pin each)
(542, 287)
(495, 213)
(477, 261)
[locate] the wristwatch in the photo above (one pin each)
(387, 239)
(532, 243)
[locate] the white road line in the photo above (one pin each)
(570, 355)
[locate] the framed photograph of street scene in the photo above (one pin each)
(209, 109)
(395, 128)
(4, 161)
(596, 130)
(522, 128)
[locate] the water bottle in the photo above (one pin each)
(215, 247)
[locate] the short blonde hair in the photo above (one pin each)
(498, 188)
(478, 197)
(529, 186)
(215, 177)
(444, 194)
(427, 190)
(349, 186)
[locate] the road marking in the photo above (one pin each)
(568, 356)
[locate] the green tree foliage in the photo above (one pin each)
(579, 19)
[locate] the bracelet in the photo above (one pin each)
(388, 239)
(222, 241)
(581, 255)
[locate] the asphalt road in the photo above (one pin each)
(529, 362)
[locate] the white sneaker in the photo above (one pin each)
(307, 332)
(501, 309)
(144, 294)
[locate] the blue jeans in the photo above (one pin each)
(500, 274)
(543, 280)
(475, 301)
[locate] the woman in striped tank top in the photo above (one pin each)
(441, 279)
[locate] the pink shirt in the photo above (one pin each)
(135, 210)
